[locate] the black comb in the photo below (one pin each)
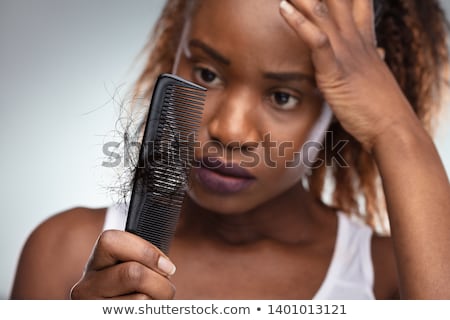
(165, 159)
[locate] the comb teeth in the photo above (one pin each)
(165, 159)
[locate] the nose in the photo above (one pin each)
(234, 119)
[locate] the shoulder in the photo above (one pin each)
(55, 253)
(385, 269)
(73, 227)
(72, 221)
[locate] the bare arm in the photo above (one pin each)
(418, 200)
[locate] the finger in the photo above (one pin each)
(76, 295)
(322, 51)
(134, 296)
(133, 277)
(123, 279)
(364, 16)
(341, 12)
(317, 12)
(114, 246)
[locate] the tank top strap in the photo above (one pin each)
(116, 217)
(350, 274)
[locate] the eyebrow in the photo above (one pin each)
(289, 76)
(209, 51)
(282, 76)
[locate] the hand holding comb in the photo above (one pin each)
(165, 159)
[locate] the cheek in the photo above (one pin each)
(284, 161)
(276, 179)
(288, 155)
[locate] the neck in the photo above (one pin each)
(292, 217)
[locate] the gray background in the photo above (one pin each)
(63, 67)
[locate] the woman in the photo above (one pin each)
(288, 71)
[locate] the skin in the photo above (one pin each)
(264, 241)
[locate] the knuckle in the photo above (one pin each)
(132, 273)
(106, 239)
(298, 21)
(141, 296)
(173, 291)
(85, 288)
(150, 253)
(322, 41)
(166, 290)
(320, 9)
(169, 292)
(76, 293)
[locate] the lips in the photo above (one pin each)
(224, 178)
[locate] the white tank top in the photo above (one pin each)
(350, 274)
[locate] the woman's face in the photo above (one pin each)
(261, 106)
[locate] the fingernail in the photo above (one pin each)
(286, 7)
(166, 266)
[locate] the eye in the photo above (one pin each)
(283, 100)
(206, 76)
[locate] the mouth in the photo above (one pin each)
(223, 178)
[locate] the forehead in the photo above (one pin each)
(250, 28)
